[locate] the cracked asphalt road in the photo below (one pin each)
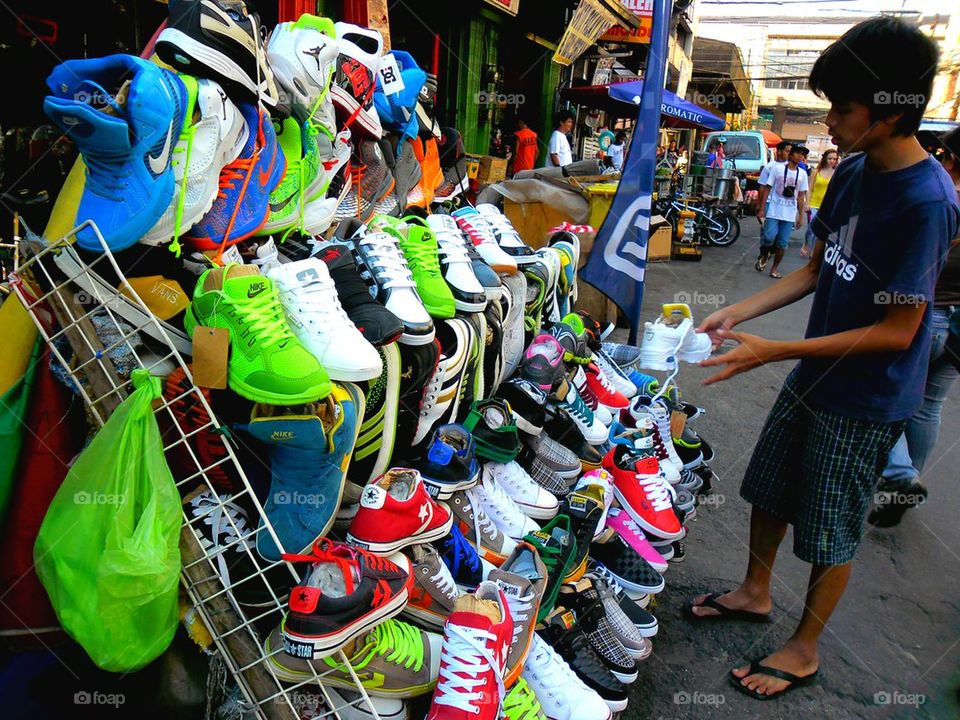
(892, 648)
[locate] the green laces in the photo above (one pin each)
(521, 703)
(397, 642)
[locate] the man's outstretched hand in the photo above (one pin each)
(713, 324)
(751, 351)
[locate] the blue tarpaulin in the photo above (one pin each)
(674, 110)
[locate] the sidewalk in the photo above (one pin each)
(892, 648)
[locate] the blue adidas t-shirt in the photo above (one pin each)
(887, 236)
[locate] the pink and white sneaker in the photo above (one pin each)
(626, 528)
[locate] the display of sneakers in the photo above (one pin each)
(526, 400)
(557, 548)
(542, 362)
(242, 203)
(621, 522)
(303, 56)
(380, 257)
(268, 363)
(448, 464)
(396, 511)
(473, 659)
(506, 235)
(568, 639)
(468, 293)
(374, 448)
(370, 182)
(559, 689)
(465, 565)
(312, 307)
(523, 580)
(585, 419)
(434, 591)
(643, 492)
(494, 430)
(309, 456)
(476, 526)
(419, 247)
(584, 508)
(631, 571)
(377, 324)
(453, 162)
(125, 115)
(669, 338)
(533, 500)
(645, 623)
(479, 231)
(441, 395)
(220, 40)
(355, 80)
(584, 599)
(344, 593)
(207, 144)
(392, 660)
(521, 703)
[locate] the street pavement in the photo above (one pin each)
(892, 648)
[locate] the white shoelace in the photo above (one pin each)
(520, 608)
(444, 581)
(502, 505)
(450, 246)
(503, 227)
(392, 267)
(229, 529)
(482, 524)
(658, 491)
(604, 381)
(321, 298)
(479, 228)
(463, 659)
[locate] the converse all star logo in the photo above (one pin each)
(373, 496)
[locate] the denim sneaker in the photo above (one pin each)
(309, 455)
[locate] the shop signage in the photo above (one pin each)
(590, 20)
(643, 9)
(511, 7)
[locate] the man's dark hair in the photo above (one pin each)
(563, 116)
(783, 145)
(521, 123)
(621, 136)
(802, 149)
(951, 141)
(883, 63)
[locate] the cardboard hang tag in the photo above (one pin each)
(211, 350)
(678, 421)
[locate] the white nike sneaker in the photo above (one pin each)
(312, 307)
(303, 57)
(514, 341)
(665, 343)
(210, 143)
(506, 234)
(614, 374)
(534, 501)
(442, 392)
(481, 234)
(561, 692)
(468, 293)
(501, 508)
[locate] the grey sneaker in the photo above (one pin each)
(523, 579)
(477, 527)
(434, 591)
(514, 341)
(406, 169)
(625, 356)
(555, 456)
(623, 627)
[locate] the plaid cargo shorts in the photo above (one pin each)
(818, 471)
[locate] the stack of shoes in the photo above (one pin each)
(479, 492)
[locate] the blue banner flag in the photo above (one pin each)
(619, 257)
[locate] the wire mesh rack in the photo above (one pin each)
(99, 329)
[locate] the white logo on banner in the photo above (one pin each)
(618, 246)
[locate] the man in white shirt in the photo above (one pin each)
(615, 151)
(780, 154)
(787, 186)
(558, 151)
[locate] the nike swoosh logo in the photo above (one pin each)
(277, 207)
(264, 174)
(159, 163)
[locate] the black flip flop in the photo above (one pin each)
(710, 601)
(756, 668)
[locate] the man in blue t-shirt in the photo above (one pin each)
(882, 235)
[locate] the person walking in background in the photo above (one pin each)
(901, 484)
(558, 151)
(884, 227)
(784, 209)
(780, 153)
(818, 187)
(716, 156)
(682, 161)
(617, 149)
(524, 148)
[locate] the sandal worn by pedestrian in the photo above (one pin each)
(757, 669)
(776, 275)
(725, 613)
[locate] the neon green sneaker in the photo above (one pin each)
(521, 703)
(268, 364)
(575, 322)
(394, 659)
(419, 247)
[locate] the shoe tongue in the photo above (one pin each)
(561, 619)
(513, 586)
(244, 282)
(288, 135)
(474, 605)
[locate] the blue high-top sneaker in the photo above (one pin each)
(125, 115)
(309, 456)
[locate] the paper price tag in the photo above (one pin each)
(678, 421)
(390, 75)
(211, 348)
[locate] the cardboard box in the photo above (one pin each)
(589, 299)
(491, 170)
(533, 220)
(660, 243)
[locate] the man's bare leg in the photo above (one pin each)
(777, 257)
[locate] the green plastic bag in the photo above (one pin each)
(108, 550)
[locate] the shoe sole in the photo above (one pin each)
(464, 306)
(446, 491)
(644, 525)
(535, 512)
(625, 678)
(397, 545)
(634, 588)
(213, 59)
(416, 340)
(616, 705)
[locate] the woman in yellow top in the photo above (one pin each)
(818, 188)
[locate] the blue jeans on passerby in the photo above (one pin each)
(910, 454)
(776, 233)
